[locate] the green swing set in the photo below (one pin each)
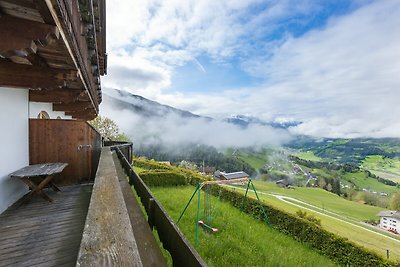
(206, 221)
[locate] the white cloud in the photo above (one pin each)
(172, 129)
(340, 80)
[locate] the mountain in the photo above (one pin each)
(120, 100)
(244, 121)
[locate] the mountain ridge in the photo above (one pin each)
(119, 100)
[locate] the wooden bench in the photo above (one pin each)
(39, 176)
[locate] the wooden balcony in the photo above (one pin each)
(40, 233)
(94, 224)
(98, 224)
(55, 48)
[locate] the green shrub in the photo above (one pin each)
(163, 178)
(191, 177)
(150, 164)
(308, 217)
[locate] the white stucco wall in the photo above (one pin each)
(14, 152)
(390, 223)
(36, 107)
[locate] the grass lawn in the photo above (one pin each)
(309, 155)
(241, 241)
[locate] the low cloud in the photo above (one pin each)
(173, 130)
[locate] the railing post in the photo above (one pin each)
(151, 213)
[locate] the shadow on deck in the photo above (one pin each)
(40, 233)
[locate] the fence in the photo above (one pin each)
(124, 147)
(182, 253)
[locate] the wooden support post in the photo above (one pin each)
(22, 35)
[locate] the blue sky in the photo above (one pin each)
(334, 65)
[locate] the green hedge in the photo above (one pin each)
(163, 178)
(150, 164)
(191, 177)
(338, 249)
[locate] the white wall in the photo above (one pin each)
(390, 223)
(36, 107)
(14, 140)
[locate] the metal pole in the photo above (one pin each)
(187, 205)
(245, 195)
(259, 202)
(198, 216)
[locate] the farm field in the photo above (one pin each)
(256, 160)
(307, 156)
(241, 241)
(383, 167)
(337, 215)
(360, 179)
(323, 199)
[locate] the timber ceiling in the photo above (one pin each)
(50, 48)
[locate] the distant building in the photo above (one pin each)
(207, 170)
(282, 183)
(390, 220)
(232, 175)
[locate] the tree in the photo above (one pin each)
(188, 165)
(321, 183)
(394, 202)
(336, 186)
(108, 129)
(329, 187)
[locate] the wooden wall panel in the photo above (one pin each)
(74, 142)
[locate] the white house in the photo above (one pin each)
(390, 220)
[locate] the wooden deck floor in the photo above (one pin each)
(40, 233)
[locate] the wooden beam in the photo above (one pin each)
(74, 106)
(84, 114)
(33, 77)
(21, 37)
(44, 11)
(20, 3)
(57, 96)
(36, 60)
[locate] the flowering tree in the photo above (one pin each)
(108, 129)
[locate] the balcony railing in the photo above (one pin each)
(182, 253)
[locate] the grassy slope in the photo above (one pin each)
(256, 160)
(362, 181)
(321, 198)
(351, 210)
(384, 167)
(307, 156)
(242, 241)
